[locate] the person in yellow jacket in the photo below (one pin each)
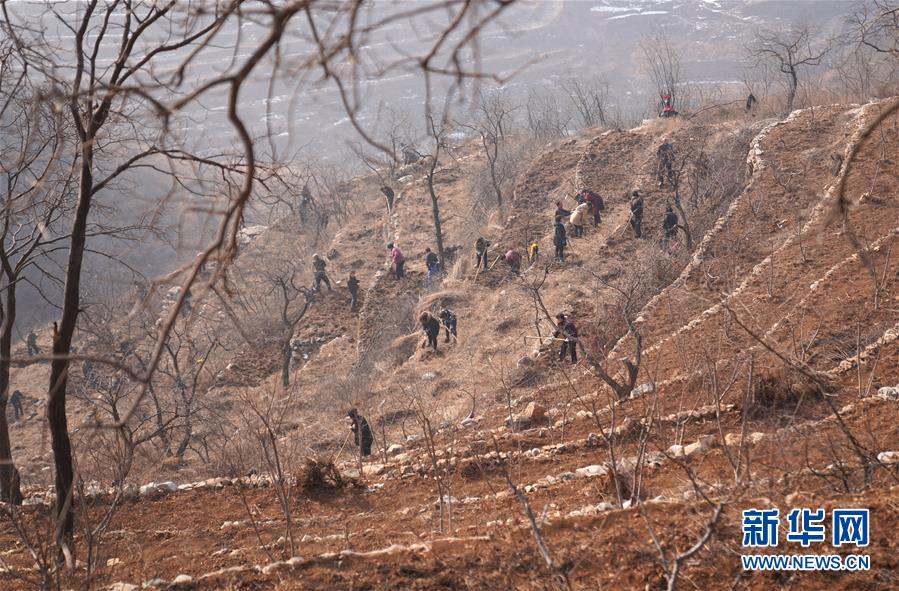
(533, 251)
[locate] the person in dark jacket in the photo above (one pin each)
(560, 240)
(665, 170)
(448, 318)
(389, 196)
(637, 213)
(352, 284)
(670, 224)
(318, 266)
(31, 343)
(566, 330)
(362, 434)
(16, 402)
(431, 328)
(480, 250)
(750, 102)
(561, 212)
(432, 263)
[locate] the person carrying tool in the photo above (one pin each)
(398, 260)
(431, 327)
(560, 240)
(637, 213)
(352, 284)
(480, 250)
(448, 318)
(319, 275)
(566, 330)
(362, 434)
(513, 259)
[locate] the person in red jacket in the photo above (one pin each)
(398, 260)
(597, 203)
(513, 259)
(566, 330)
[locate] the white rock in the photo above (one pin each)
(168, 487)
(887, 393)
(121, 587)
(889, 457)
(113, 561)
(676, 450)
(756, 437)
(395, 449)
(592, 471)
(183, 580)
(373, 469)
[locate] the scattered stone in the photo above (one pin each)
(592, 471)
(155, 583)
(183, 581)
(887, 393)
(756, 437)
(676, 450)
(888, 457)
(395, 449)
(535, 412)
(121, 587)
(113, 561)
(643, 389)
(168, 487)
(373, 469)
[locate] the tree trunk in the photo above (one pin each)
(435, 210)
(492, 157)
(286, 355)
(10, 490)
(62, 343)
(791, 91)
(685, 225)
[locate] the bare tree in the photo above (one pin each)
(123, 72)
(493, 121)
(289, 292)
(547, 119)
(438, 136)
(790, 51)
(37, 195)
(663, 60)
(875, 24)
(590, 101)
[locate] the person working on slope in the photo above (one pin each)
(637, 213)
(669, 225)
(560, 240)
(596, 203)
(432, 265)
(533, 251)
(431, 328)
(362, 434)
(448, 318)
(480, 250)
(513, 259)
(398, 260)
(566, 330)
(319, 275)
(352, 284)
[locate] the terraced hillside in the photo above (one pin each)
(768, 376)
